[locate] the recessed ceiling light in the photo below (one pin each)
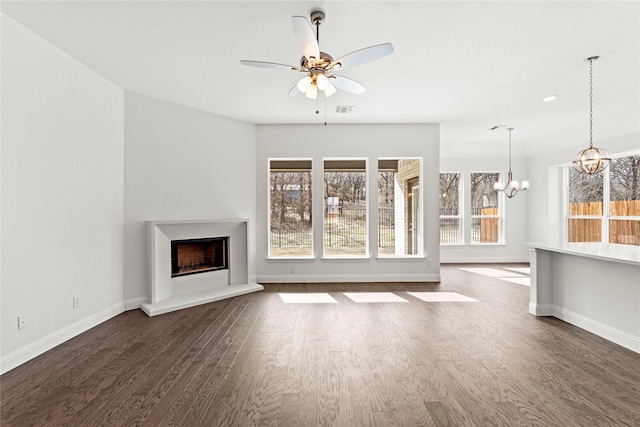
(550, 98)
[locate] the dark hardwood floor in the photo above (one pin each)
(254, 360)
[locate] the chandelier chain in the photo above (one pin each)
(591, 103)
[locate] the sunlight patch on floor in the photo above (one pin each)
(441, 297)
(307, 298)
(523, 270)
(490, 272)
(374, 297)
(525, 281)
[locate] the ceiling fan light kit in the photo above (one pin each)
(319, 66)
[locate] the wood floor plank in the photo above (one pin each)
(255, 360)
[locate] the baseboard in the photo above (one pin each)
(347, 278)
(36, 348)
(134, 303)
(541, 309)
(605, 331)
(483, 260)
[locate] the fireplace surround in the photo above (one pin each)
(225, 274)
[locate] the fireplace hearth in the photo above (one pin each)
(193, 256)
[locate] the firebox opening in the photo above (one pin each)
(199, 255)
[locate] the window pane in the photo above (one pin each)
(624, 177)
(450, 228)
(484, 198)
(485, 230)
(624, 232)
(399, 207)
(345, 208)
(449, 194)
(450, 233)
(585, 230)
(290, 208)
(585, 194)
(485, 202)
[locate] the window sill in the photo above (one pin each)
(365, 258)
(486, 245)
(292, 258)
(402, 258)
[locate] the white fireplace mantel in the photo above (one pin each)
(168, 293)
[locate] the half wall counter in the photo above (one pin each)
(590, 285)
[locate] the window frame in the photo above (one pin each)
(460, 216)
(269, 170)
(420, 221)
(366, 254)
(500, 216)
(605, 218)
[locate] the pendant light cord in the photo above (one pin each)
(510, 129)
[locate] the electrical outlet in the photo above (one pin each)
(22, 321)
(76, 302)
(292, 270)
(429, 263)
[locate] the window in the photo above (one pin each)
(585, 207)
(618, 221)
(624, 200)
(290, 225)
(399, 207)
(450, 209)
(345, 208)
(486, 210)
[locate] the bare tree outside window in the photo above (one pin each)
(290, 225)
(486, 215)
(584, 188)
(624, 200)
(624, 178)
(450, 209)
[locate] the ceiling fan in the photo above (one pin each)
(319, 66)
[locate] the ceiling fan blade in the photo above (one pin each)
(305, 36)
(362, 56)
(347, 84)
(294, 91)
(261, 64)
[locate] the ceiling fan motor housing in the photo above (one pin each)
(317, 17)
(318, 65)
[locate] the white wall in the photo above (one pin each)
(546, 195)
(182, 164)
(62, 195)
(362, 141)
(516, 212)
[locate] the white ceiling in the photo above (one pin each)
(465, 65)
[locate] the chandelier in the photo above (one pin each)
(591, 160)
(511, 188)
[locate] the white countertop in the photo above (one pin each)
(627, 254)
